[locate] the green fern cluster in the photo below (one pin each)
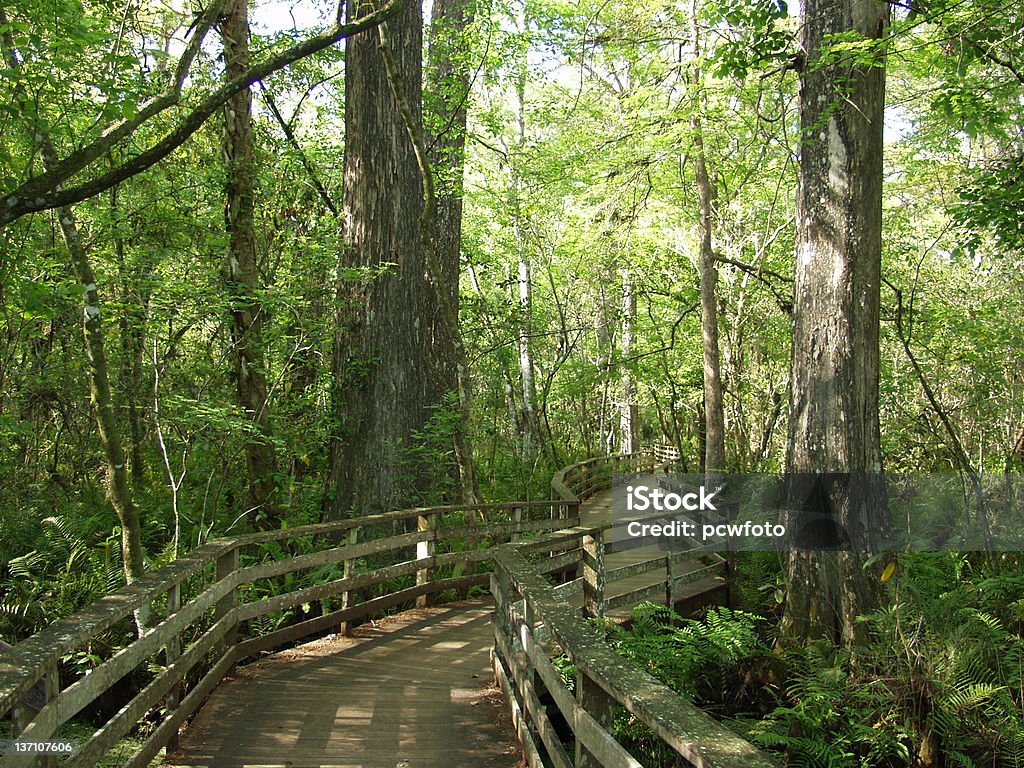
(829, 718)
(67, 570)
(940, 685)
(700, 659)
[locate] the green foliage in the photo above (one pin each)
(72, 562)
(829, 719)
(698, 658)
(941, 676)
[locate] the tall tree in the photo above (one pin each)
(834, 432)
(240, 271)
(445, 103)
(381, 348)
(714, 409)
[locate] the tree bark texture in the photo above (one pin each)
(241, 274)
(833, 421)
(445, 99)
(382, 350)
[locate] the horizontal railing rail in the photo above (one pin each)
(202, 603)
(582, 480)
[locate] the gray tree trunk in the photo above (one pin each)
(382, 357)
(628, 424)
(445, 102)
(241, 276)
(833, 414)
(714, 408)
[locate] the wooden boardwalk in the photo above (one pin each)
(603, 508)
(411, 691)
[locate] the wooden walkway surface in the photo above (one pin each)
(411, 691)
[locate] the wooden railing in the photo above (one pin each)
(203, 604)
(208, 610)
(532, 623)
(581, 481)
(535, 620)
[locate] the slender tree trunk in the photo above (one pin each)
(132, 321)
(834, 430)
(446, 99)
(241, 274)
(382, 393)
(714, 409)
(628, 426)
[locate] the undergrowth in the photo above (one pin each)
(939, 685)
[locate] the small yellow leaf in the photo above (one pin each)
(890, 569)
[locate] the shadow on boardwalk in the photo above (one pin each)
(411, 691)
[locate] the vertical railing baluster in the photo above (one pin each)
(670, 574)
(172, 651)
(227, 564)
(425, 551)
(51, 686)
(348, 571)
(592, 566)
(593, 699)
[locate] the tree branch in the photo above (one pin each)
(42, 193)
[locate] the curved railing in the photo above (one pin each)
(200, 606)
(581, 481)
(535, 620)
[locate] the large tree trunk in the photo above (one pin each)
(833, 421)
(382, 357)
(241, 275)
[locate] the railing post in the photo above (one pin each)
(172, 651)
(51, 687)
(670, 574)
(227, 564)
(517, 517)
(593, 700)
(425, 551)
(592, 566)
(349, 570)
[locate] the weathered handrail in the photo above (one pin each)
(533, 619)
(529, 617)
(199, 607)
